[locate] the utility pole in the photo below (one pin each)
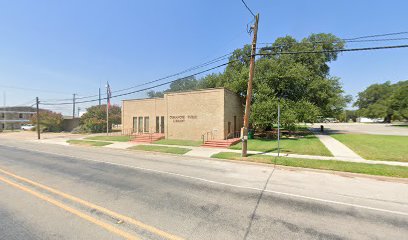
(99, 96)
(244, 130)
(79, 109)
(107, 108)
(278, 126)
(38, 118)
(4, 112)
(73, 106)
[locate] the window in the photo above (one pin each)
(146, 124)
(162, 124)
(157, 124)
(20, 115)
(134, 129)
(2, 115)
(140, 125)
(235, 124)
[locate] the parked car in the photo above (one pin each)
(27, 127)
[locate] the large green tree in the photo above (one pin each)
(94, 120)
(301, 81)
(388, 101)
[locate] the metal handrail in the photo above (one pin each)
(204, 135)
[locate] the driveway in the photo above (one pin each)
(365, 128)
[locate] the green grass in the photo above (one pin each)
(111, 138)
(163, 149)
(308, 145)
(400, 126)
(376, 147)
(364, 168)
(88, 143)
(179, 142)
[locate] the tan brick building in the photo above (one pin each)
(213, 113)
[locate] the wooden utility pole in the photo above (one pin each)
(107, 108)
(244, 130)
(38, 118)
(73, 106)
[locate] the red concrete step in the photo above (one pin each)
(221, 143)
(148, 138)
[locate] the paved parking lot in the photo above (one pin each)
(375, 128)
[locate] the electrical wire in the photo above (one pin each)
(377, 35)
(337, 50)
(347, 41)
(144, 89)
(224, 64)
(248, 8)
(218, 59)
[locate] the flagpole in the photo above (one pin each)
(107, 108)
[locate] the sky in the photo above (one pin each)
(52, 49)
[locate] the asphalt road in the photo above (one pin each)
(58, 192)
(363, 128)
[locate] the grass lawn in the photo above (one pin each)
(111, 138)
(88, 143)
(151, 148)
(308, 145)
(179, 142)
(400, 126)
(364, 168)
(376, 147)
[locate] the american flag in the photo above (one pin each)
(108, 94)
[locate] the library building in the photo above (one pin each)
(207, 114)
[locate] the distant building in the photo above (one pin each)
(11, 118)
(369, 120)
(213, 113)
(69, 123)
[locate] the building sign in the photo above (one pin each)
(182, 118)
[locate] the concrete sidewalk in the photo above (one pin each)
(337, 148)
(206, 152)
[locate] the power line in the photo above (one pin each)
(248, 8)
(337, 50)
(358, 39)
(215, 60)
(348, 41)
(144, 89)
(31, 89)
(377, 35)
(224, 64)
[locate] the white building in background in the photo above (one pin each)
(369, 120)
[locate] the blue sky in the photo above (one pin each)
(65, 47)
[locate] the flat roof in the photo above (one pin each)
(182, 92)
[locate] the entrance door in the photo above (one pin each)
(162, 124)
(157, 124)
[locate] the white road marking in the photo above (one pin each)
(224, 184)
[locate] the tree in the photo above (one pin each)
(49, 121)
(94, 120)
(388, 101)
(180, 85)
(302, 81)
(154, 94)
